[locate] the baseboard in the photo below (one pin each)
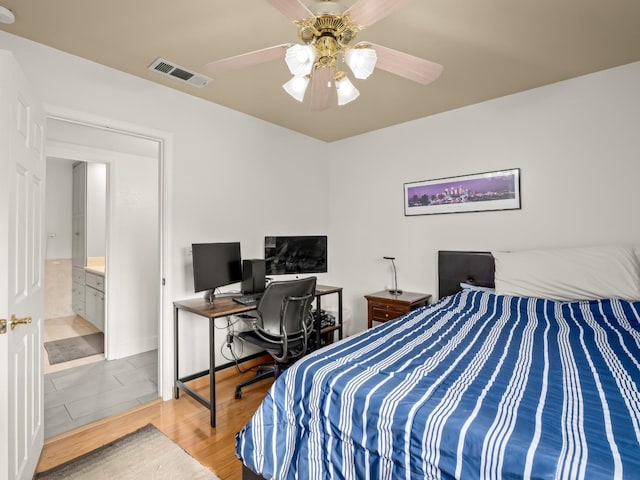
(130, 348)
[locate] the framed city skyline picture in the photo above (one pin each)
(478, 192)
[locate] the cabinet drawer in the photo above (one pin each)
(78, 299)
(78, 275)
(381, 312)
(95, 281)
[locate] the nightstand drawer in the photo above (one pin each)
(382, 313)
(384, 306)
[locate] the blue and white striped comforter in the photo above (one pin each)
(474, 386)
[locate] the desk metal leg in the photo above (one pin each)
(318, 321)
(176, 392)
(340, 315)
(212, 371)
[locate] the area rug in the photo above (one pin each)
(67, 349)
(144, 454)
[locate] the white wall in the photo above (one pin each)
(230, 176)
(133, 267)
(574, 141)
(58, 208)
(578, 148)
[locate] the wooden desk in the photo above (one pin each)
(223, 307)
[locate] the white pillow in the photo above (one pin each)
(585, 273)
(470, 286)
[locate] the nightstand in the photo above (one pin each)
(384, 306)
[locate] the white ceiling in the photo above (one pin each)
(488, 48)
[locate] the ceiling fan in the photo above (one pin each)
(327, 34)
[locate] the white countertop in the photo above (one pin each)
(95, 265)
(95, 269)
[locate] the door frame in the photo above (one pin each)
(165, 159)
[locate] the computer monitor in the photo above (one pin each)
(295, 254)
(215, 265)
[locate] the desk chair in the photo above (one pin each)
(281, 325)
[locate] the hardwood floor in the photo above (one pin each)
(184, 421)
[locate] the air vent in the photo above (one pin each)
(174, 70)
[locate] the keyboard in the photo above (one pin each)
(248, 299)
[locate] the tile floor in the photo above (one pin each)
(84, 394)
(88, 389)
(67, 327)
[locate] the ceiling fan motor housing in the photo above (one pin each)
(330, 34)
(326, 29)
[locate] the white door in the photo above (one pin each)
(22, 180)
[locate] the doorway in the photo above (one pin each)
(75, 252)
(127, 373)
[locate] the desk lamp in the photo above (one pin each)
(395, 290)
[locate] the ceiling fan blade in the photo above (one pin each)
(292, 9)
(368, 12)
(247, 59)
(322, 88)
(405, 65)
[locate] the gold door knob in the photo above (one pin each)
(19, 321)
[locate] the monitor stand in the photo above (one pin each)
(210, 295)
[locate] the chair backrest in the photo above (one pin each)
(285, 305)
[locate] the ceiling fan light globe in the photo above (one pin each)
(361, 61)
(6, 16)
(300, 59)
(347, 92)
(296, 87)
(324, 7)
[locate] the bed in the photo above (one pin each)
(480, 384)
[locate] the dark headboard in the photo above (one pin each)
(477, 268)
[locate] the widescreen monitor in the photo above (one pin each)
(295, 254)
(215, 265)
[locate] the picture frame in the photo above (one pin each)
(478, 192)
